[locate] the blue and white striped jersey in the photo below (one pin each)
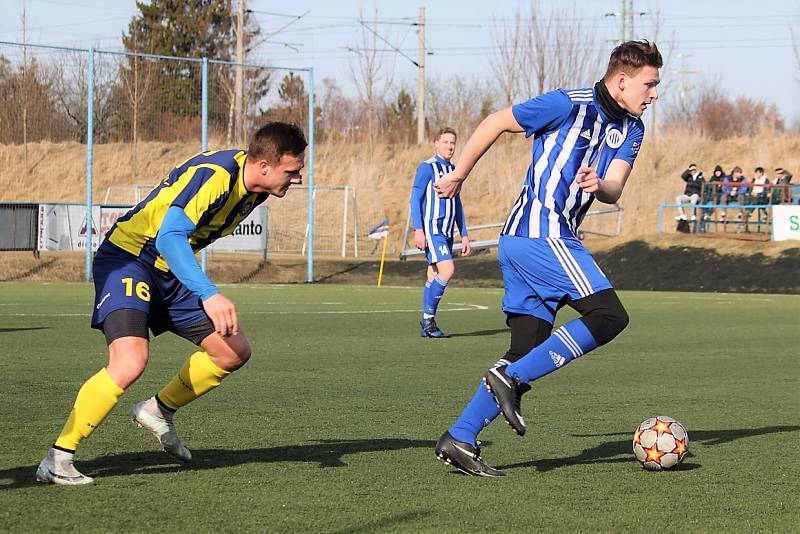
(571, 131)
(429, 212)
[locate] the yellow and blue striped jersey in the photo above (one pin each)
(208, 187)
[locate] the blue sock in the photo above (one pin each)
(432, 296)
(425, 297)
(564, 345)
(479, 412)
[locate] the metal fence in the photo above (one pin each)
(126, 112)
(19, 224)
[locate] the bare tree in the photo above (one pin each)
(544, 51)
(371, 76)
(136, 80)
(337, 112)
(667, 49)
(460, 103)
(508, 58)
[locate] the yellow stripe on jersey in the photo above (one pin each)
(197, 194)
(209, 192)
(217, 224)
(131, 235)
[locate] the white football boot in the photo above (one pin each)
(148, 415)
(57, 468)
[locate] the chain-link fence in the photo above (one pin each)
(91, 126)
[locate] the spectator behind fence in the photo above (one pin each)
(759, 194)
(712, 192)
(737, 193)
(782, 195)
(691, 193)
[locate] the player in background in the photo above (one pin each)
(433, 220)
(146, 277)
(585, 143)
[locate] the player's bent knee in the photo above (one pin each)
(127, 359)
(229, 353)
(606, 323)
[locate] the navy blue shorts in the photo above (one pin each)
(539, 273)
(438, 248)
(124, 281)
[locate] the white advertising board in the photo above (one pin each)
(251, 234)
(785, 222)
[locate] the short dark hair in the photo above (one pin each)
(275, 139)
(631, 56)
(759, 169)
(445, 130)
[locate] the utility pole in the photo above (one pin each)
(626, 15)
(421, 79)
(238, 96)
(626, 27)
(686, 85)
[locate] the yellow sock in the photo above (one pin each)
(95, 400)
(198, 376)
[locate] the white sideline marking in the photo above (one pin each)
(720, 297)
(467, 307)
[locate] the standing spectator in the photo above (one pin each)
(691, 193)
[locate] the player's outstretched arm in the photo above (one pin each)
(479, 142)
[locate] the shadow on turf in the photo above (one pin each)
(620, 450)
(326, 453)
(386, 522)
(4, 330)
(481, 333)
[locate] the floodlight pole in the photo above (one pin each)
(89, 159)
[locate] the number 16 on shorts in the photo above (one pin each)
(141, 288)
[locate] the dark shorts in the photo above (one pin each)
(124, 281)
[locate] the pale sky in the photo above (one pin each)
(744, 45)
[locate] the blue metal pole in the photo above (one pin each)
(310, 277)
(660, 218)
(204, 135)
(89, 159)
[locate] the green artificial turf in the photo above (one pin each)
(331, 426)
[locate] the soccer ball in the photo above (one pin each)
(660, 443)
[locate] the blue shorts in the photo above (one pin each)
(438, 248)
(125, 281)
(540, 274)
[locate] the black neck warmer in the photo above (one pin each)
(610, 106)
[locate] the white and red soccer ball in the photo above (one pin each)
(660, 443)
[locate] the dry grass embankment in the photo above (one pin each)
(57, 172)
